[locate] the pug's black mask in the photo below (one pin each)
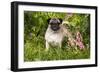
(55, 23)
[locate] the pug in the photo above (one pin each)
(55, 33)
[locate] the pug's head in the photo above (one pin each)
(54, 23)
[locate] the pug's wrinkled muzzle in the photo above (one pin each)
(55, 28)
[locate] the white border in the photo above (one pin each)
(22, 64)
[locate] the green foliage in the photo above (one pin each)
(35, 25)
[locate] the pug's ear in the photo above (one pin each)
(48, 20)
(60, 20)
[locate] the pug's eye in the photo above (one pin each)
(59, 23)
(52, 23)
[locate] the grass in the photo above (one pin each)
(34, 50)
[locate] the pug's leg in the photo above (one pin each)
(47, 46)
(60, 45)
